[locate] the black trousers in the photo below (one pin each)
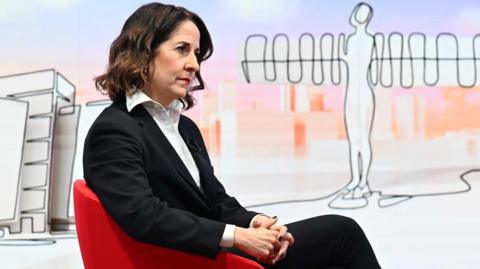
(328, 241)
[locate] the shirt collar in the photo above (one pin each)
(139, 97)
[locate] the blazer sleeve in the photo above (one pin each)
(114, 169)
(229, 210)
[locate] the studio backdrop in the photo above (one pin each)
(357, 106)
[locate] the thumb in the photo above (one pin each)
(271, 222)
(256, 224)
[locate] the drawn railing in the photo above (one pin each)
(396, 60)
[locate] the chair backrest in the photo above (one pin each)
(104, 244)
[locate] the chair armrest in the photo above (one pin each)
(230, 261)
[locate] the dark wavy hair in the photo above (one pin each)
(147, 28)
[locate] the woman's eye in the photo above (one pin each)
(182, 49)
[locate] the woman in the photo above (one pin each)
(150, 169)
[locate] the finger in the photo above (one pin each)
(282, 256)
(278, 228)
(276, 239)
(263, 255)
(281, 253)
(270, 250)
(277, 244)
(273, 233)
(289, 238)
(282, 231)
(272, 259)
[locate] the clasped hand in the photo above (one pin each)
(265, 240)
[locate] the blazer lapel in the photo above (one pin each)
(203, 166)
(148, 123)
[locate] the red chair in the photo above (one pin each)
(104, 244)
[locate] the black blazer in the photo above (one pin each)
(144, 185)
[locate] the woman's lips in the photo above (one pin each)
(185, 81)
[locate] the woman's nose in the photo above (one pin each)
(192, 63)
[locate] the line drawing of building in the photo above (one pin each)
(361, 62)
(41, 123)
(38, 108)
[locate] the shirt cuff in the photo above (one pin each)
(228, 236)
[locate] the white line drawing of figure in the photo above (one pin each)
(359, 102)
(362, 62)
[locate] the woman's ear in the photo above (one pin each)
(147, 72)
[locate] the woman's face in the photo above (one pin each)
(174, 64)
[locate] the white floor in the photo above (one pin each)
(61, 255)
(440, 232)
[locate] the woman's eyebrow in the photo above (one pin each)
(186, 43)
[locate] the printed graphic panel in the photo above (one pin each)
(13, 118)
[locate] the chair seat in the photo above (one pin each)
(104, 244)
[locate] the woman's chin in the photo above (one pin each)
(181, 95)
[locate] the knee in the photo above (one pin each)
(342, 223)
(335, 225)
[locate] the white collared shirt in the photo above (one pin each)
(167, 120)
